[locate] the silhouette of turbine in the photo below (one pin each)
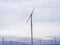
(30, 17)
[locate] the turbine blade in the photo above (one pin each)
(32, 12)
(28, 19)
(30, 15)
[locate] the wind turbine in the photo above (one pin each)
(30, 17)
(2, 40)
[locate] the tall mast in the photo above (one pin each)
(31, 31)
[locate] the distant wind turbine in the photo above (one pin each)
(3, 41)
(30, 17)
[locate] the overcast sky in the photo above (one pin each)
(14, 14)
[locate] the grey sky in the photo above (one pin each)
(14, 13)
